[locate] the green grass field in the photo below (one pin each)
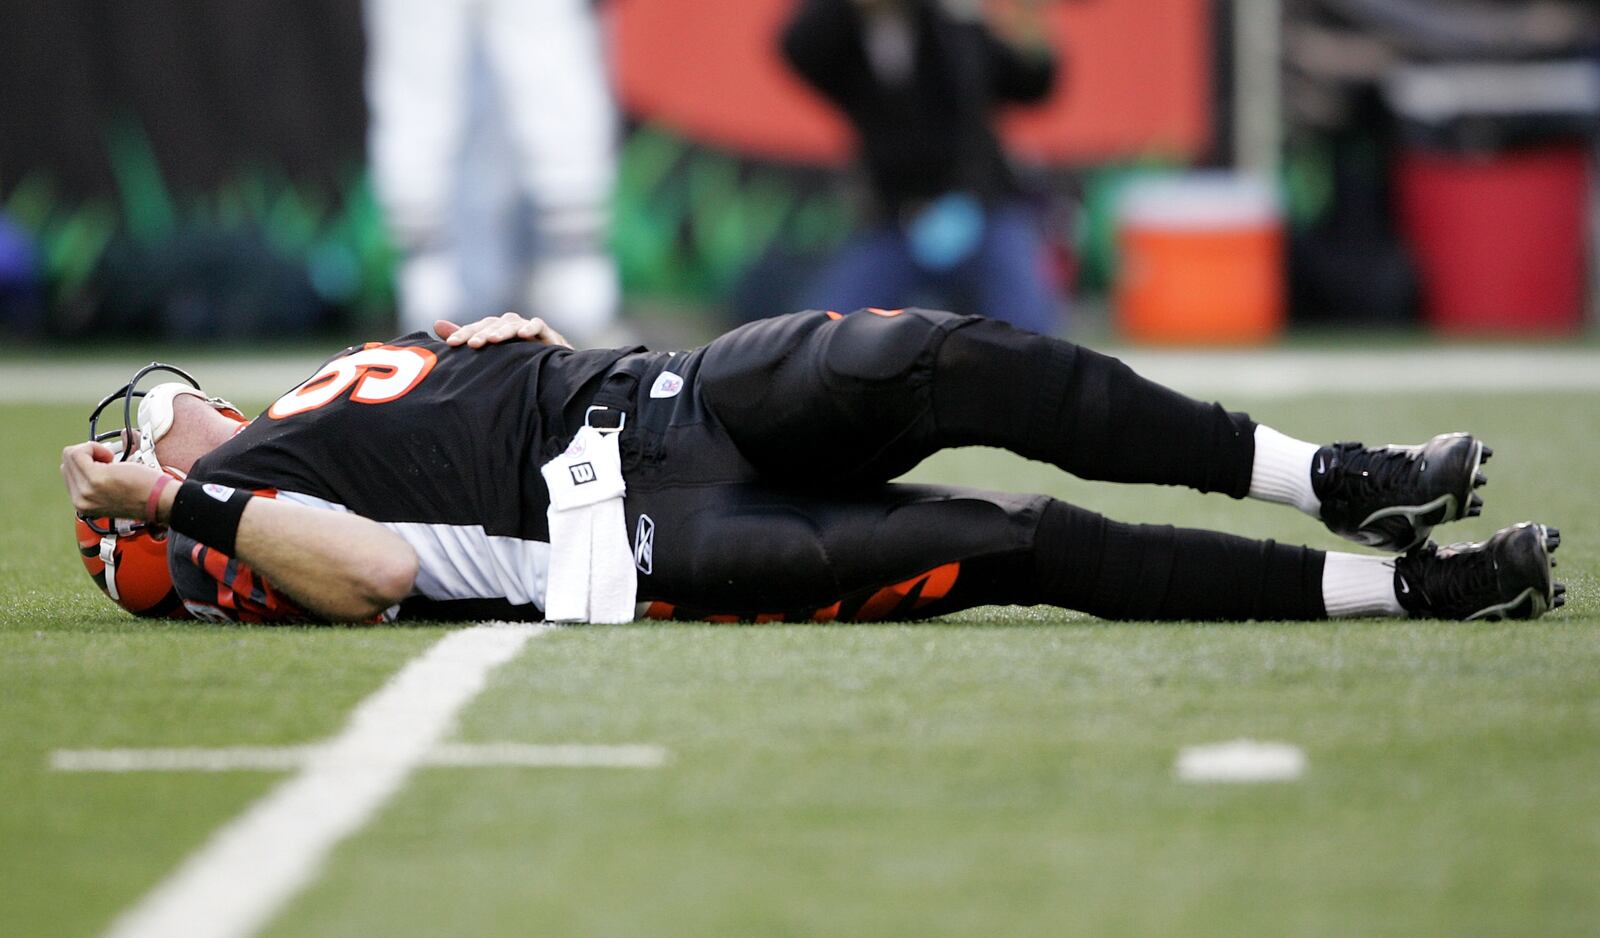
(1000, 772)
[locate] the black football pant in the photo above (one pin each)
(760, 490)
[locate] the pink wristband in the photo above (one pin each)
(154, 501)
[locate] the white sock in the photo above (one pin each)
(1281, 472)
(1359, 585)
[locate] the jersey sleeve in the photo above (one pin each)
(217, 588)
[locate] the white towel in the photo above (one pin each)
(592, 577)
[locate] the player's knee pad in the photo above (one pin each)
(851, 393)
(883, 346)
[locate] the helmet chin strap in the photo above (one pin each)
(108, 553)
(157, 413)
(108, 556)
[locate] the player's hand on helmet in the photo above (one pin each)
(492, 330)
(101, 486)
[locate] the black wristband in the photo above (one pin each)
(209, 513)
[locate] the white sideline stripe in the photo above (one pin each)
(245, 376)
(1298, 373)
(1242, 760)
(285, 758)
(236, 882)
(1275, 372)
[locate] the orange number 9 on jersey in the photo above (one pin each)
(378, 374)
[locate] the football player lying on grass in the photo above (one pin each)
(481, 474)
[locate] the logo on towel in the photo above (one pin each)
(667, 385)
(582, 472)
(644, 544)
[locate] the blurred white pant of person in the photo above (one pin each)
(549, 86)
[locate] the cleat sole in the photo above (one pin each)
(1478, 480)
(1556, 593)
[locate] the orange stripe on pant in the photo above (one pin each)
(929, 586)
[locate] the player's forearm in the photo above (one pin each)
(340, 566)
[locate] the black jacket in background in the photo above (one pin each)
(934, 133)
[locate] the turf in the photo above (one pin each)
(998, 772)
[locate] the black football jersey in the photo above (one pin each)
(440, 444)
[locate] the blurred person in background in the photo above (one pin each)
(548, 83)
(920, 81)
(21, 304)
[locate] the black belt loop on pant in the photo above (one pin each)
(614, 401)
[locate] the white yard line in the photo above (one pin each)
(562, 756)
(237, 881)
(224, 759)
(288, 758)
(1201, 373)
(1242, 760)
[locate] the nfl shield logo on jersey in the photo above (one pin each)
(644, 544)
(667, 385)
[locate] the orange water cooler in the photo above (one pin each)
(1201, 260)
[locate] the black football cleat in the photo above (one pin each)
(1506, 577)
(1390, 497)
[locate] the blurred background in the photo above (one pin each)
(1168, 171)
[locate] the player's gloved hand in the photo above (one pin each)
(101, 486)
(492, 330)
